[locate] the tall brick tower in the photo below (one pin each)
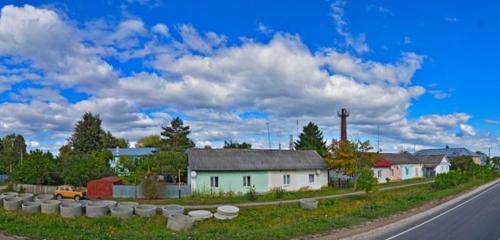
(343, 114)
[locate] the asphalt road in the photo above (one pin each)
(474, 218)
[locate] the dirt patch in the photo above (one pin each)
(4, 236)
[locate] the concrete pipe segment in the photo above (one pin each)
(12, 203)
(43, 197)
(31, 207)
(172, 208)
(128, 204)
(70, 210)
(50, 206)
(145, 210)
(84, 204)
(94, 210)
(26, 197)
(67, 201)
(107, 203)
(226, 212)
(308, 203)
(200, 215)
(179, 222)
(122, 212)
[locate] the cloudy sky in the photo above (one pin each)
(420, 75)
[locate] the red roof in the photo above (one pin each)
(383, 164)
(111, 179)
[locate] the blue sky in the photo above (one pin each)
(425, 73)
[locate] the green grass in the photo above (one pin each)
(215, 199)
(270, 222)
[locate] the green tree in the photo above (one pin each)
(13, 149)
(311, 138)
(175, 136)
(80, 168)
(237, 145)
(88, 135)
(366, 181)
(149, 141)
(109, 141)
(495, 161)
(462, 162)
(37, 168)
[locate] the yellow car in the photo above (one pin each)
(66, 191)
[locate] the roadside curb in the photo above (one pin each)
(403, 222)
(271, 203)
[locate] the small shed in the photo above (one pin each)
(102, 188)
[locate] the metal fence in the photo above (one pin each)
(4, 178)
(131, 191)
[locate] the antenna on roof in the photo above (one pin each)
(268, 135)
(290, 142)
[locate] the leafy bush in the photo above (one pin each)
(456, 177)
(278, 192)
(151, 186)
(251, 194)
(366, 181)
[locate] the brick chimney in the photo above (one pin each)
(343, 114)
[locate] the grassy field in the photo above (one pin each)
(215, 199)
(272, 222)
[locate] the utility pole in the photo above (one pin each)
(378, 137)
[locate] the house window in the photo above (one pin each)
(286, 179)
(311, 178)
(246, 181)
(407, 171)
(214, 181)
(392, 172)
(379, 173)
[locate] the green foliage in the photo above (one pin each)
(176, 136)
(311, 138)
(251, 194)
(237, 145)
(78, 169)
(151, 186)
(366, 181)
(457, 177)
(89, 136)
(38, 168)
(162, 162)
(462, 163)
(12, 147)
(278, 192)
(149, 141)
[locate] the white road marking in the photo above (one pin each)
(436, 217)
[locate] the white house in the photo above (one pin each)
(383, 172)
(434, 164)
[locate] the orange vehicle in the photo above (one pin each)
(66, 191)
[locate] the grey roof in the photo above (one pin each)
(450, 152)
(135, 152)
(253, 159)
(400, 158)
(431, 161)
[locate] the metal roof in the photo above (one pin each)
(450, 152)
(431, 160)
(253, 159)
(132, 151)
(400, 158)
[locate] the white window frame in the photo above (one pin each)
(286, 180)
(247, 181)
(311, 177)
(214, 181)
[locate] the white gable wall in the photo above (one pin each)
(298, 179)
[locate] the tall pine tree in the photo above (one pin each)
(175, 136)
(88, 134)
(311, 138)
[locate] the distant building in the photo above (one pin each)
(434, 165)
(404, 166)
(383, 171)
(236, 170)
(450, 153)
(133, 153)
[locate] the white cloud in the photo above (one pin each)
(438, 94)
(213, 85)
(451, 19)
(358, 43)
(264, 29)
(161, 29)
(492, 121)
(407, 40)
